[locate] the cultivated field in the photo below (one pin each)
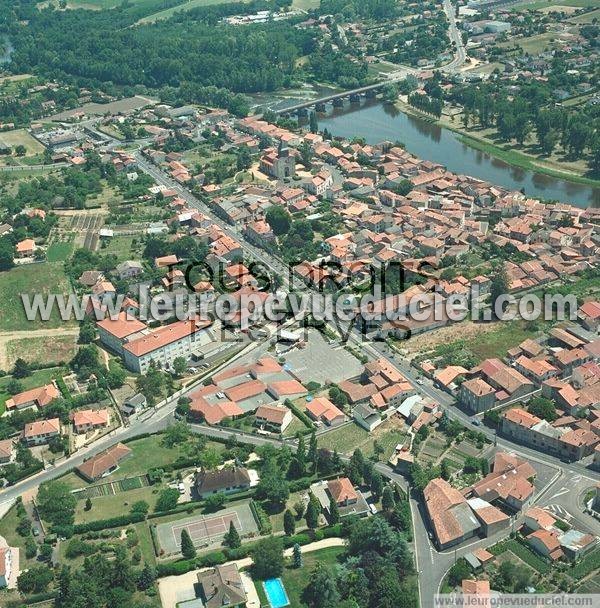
(185, 6)
(20, 137)
(43, 278)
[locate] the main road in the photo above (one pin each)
(456, 38)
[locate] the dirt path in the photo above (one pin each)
(9, 336)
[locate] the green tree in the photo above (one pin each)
(376, 484)
(321, 591)
(35, 580)
(7, 254)
(289, 523)
(56, 503)
(179, 366)
(232, 538)
(459, 571)
(146, 578)
(187, 546)
(313, 511)
(334, 513)
(543, 408)
(88, 504)
(272, 485)
(140, 506)
(499, 287)
(313, 450)
(297, 556)
(279, 219)
(21, 369)
(214, 502)
(301, 451)
(387, 499)
(176, 434)
(267, 556)
(167, 499)
(355, 468)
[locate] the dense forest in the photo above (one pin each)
(193, 56)
(530, 112)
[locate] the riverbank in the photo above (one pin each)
(511, 157)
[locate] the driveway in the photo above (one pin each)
(175, 589)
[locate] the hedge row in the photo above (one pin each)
(62, 387)
(300, 414)
(103, 524)
(587, 565)
(221, 556)
(262, 519)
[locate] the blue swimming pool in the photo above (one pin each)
(276, 593)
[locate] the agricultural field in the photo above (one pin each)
(123, 247)
(21, 137)
(541, 4)
(305, 5)
(532, 45)
(586, 17)
(347, 438)
(43, 278)
(60, 251)
(184, 6)
(57, 348)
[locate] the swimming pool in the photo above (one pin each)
(276, 593)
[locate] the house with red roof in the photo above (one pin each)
(41, 431)
(322, 410)
(88, 420)
(36, 397)
(589, 315)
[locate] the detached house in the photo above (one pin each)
(41, 431)
(222, 587)
(87, 420)
(36, 397)
(225, 480)
(273, 418)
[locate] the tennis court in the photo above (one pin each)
(205, 530)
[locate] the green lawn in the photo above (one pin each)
(146, 545)
(121, 246)
(522, 552)
(185, 6)
(21, 137)
(7, 529)
(344, 439)
(306, 5)
(538, 4)
(44, 278)
(148, 453)
(59, 252)
(496, 343)
(37, 378)
(295, 580)
(106, 507)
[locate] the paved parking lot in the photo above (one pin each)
(321, 362)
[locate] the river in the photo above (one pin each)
(377, 122)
